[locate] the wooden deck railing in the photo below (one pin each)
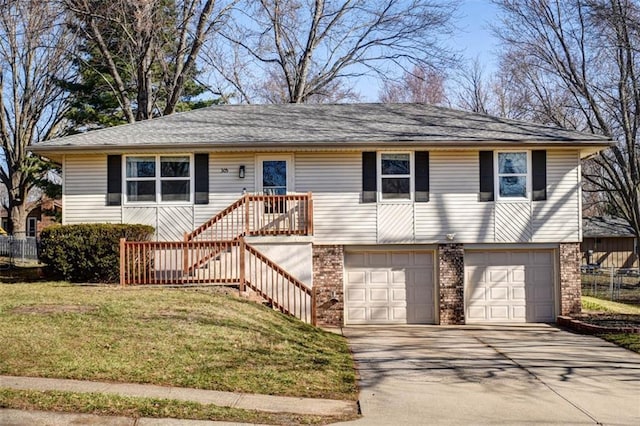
(284, 291)
(255, 214)
(235, 262)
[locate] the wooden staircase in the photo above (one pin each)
(216, 253)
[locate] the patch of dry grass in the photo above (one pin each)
(200, 338)
(113, 405)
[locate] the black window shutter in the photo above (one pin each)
(539, 175)
(369, 178)
(114, 180)
(201, 166)
(486, 176)
(422, 176)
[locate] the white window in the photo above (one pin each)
(513, 180)
(159, 178)
(396, 176)
(32, 226)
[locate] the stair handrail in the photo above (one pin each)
(285, 274)
(219, 216)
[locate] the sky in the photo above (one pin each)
(473, 39)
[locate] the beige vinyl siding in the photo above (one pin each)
(85, 189)
(336, 183)
(453, 206)
(558, 218)
(225, 188)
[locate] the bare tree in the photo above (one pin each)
(150, 47)
(580, 61)
(420, 85)
(34, 55)
(311, 44)
(473, 89)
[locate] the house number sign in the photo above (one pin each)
(224, 170)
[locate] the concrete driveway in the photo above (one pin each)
(530, 374)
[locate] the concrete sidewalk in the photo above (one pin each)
(266, 403)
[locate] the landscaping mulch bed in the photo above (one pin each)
(602, 322)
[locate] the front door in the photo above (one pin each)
(274, 175)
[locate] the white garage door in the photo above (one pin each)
(509, 286)
(389, 288)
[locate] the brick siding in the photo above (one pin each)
(328, 278)
(451, 273)
(570, 289)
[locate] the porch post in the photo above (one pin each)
(243, 249)
(122, 261)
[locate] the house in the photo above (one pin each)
(608, 242)
(42, 213)
(370, 213)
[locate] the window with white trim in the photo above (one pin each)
(395, 176)
(513, 178)
(158, 178)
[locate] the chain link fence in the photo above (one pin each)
(616, 284)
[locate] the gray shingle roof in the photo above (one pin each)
(323, 124)
(605, 226)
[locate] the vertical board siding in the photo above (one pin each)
(85, 191)
(557, 219)
(225, 188)
(336, 182)
(513, 222)
(616, 252)
(453, 206)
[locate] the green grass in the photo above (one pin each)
(196, 338)
(629, 341)
(113, 405)
(595, 304)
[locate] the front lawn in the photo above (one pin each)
(607, 313)
(200, 338)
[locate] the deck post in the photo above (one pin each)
(243, 249)
(185, 254)
(122, 261)
(247, 211)
(313, 307)
(309, 214)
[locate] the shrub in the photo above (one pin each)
(88, 252)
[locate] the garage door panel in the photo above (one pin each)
(497, 275)
(499, 312)
(400, 259)
(377, 259)
(398, 277)
(518, 275)
(378, 295)
(356, 277)
(518, 293)
(505, 286)
(379, 313)
(498, 294)
(399, 295)
(355, 260)
(379, 277)
(399, 314)
(518, 313)
(357, 314)
(397, 287)
(356, 294)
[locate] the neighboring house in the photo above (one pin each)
(608, 242)
(42, 213)
(405, 213)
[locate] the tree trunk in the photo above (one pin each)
(18, 221)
